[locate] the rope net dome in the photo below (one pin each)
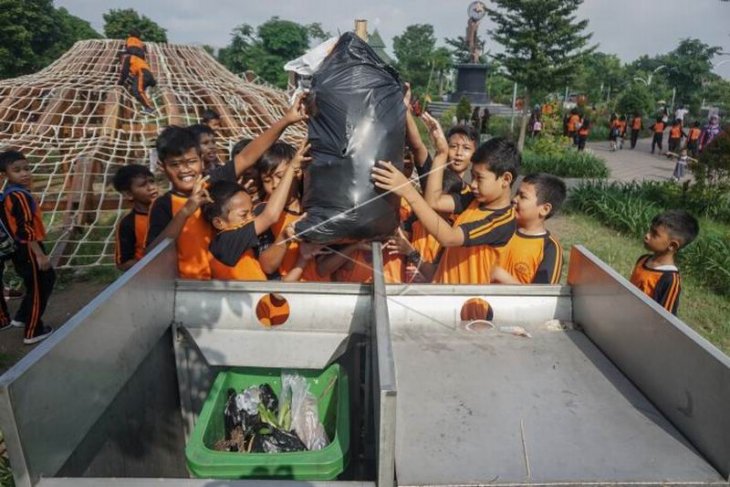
(76, 126)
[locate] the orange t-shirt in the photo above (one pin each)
(425, 243)
(232, 257)
(694, 134)
(663, 285)
(533, 259)
(194, 239)
(486, 232)
(573, 121)
(130, 236)
(659, 127)
(360, 269)
(636, 123)
(292, 251)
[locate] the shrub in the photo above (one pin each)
(568, 164)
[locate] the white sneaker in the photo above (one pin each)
(17, 324)
(42, 335)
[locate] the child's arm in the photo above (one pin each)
(172, 230)
(388, 177)
(278, 198)
(20, 210)
(501, 276)
(43, 261)
(306, 254)
(124, 253)
(253, 151)
(667, 290)
(413, 137)
(434, 194)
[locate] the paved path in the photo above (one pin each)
(634, 165)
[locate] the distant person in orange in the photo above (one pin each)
(657, 129)
(636, 126)
(676, 134)
(583, 132)
(573, 124)
(137, 73)
(134, 45)
(693, 139)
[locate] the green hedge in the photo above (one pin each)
(568, 164)
(629, 208)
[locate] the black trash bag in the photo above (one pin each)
(273, 440)
(357, 117)
(232, 416)
(268, 398)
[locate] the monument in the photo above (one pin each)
(471, 78)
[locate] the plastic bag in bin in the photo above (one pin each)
(304, 411)
(356, 117)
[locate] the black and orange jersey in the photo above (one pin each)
(137, 65)
(676, 132)
(658, 127)
(573, 122)
(359, 268)
(425, 243)
(533, 259)
(194, 238)
(662, 284)
(636, 123)
(135, 46)
(486, 233)
(232, 254)
(22, 215)
(694, 134)
(621, 127)
(130, 238)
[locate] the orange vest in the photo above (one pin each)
(675, 133)
(694, 134)
(246, 269)
(193, 243)
(636, 123)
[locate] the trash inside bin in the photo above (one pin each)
(330, 389)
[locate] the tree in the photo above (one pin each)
(543, 45)
(463, 110)
(636, 99)
(600, 76)
(118, 23)
(35, 34)
(414, 50)
(460, 50)
(688, 67)
(266, 49)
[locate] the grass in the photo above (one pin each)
(707, 312)
(569, 164)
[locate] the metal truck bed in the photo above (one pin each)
(630, 397)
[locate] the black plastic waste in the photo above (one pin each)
(269, 439)
(268, 398)
(357, 117)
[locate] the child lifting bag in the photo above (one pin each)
(356, 117)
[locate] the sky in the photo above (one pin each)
(628, 28)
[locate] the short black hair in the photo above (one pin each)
(549, 189)
(466, 130)
(275, 155)
(239, 146)
(8, 157)
(134, 32)
(586, 124)
(500, 155)
(696, 124)
(124, 176)
(175, 141)
(679, 224)
(451, 183)
(199, 129)
(221, 193)
(208, 115)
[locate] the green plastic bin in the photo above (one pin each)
(326, 464)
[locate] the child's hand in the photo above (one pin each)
(436, 133)
(398, 244)
(43, 261)
(309, 250)
(199, 195)
(386, 176)
(297, 111)
(300, 159)
(290, 232)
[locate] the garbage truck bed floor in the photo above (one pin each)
(490, 407)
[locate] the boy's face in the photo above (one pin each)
(527, 208)
(659, 240)
(272, 180)
(235, 213)
(18, 172)
(214, 124)
(486, 186)
(182, 170)
(208, 149)
(143, 190)
(461, 148)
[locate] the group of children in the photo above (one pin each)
(234, 220)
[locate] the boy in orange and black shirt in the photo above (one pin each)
(176, 214)
(656, 274)
(485, 221)
(534, 255)
(657, 129)
(137, 184)
(693, 139)
(22, 217)
(134, 45)
(636, 125)
(675, 136)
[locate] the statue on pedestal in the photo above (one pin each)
(471, 77)
(477, 10)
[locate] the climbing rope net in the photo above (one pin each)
(77, 127)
